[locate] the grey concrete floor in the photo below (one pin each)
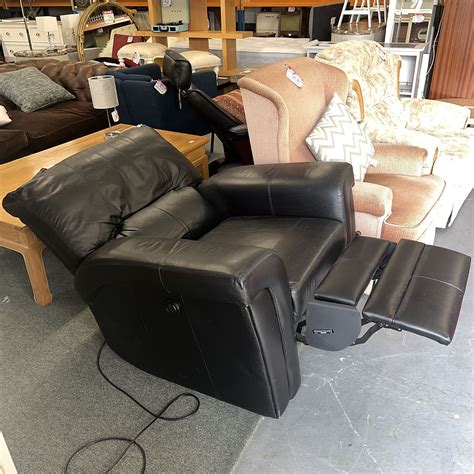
(398, 404)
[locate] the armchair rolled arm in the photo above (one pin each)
(313, 189)
(404, 136)
(373, 199)
(424, 114)
(398, 159)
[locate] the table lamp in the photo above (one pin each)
(104, 96)
(48, 24)
(69, 23)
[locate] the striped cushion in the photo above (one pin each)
(233, 104)
(338, 137)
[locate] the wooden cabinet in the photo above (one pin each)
(453, 69)
(14, 38)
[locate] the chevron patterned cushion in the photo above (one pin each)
(338, 137)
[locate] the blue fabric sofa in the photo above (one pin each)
(141, 103)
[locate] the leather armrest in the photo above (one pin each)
(239, 131)
(398, 159)
(373, 199)
(313, 189)
(223, 272)
(234, 300)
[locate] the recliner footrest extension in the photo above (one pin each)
(421, 291)
(348, 278)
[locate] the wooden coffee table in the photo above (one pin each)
(17, 236)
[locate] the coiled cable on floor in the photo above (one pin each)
(133, 441)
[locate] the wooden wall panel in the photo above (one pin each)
(454, 63)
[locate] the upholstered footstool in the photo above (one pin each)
(147, 52)
(201, 60)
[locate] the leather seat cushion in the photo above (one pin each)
(318, 242)
(413, 206)
(57, 124)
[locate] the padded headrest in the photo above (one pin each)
(177, 69)
(81, 203)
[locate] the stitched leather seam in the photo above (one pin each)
(199, 348)
(283, 345)
(407, 286)
(250, 312)
(269, 193)
(179, 221)
(162, 263)
(242, 276)
(439, 281)
(106, 202)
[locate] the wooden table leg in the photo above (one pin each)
(34, 262)
(23, 241)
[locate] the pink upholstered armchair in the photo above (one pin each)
(395, 201)
(437, 126)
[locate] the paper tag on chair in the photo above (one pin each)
(136, 58)
(115, 116)
(381, 53)
(129, 39)
(373, 162)
(293, 77)
(108, 16)
(160, 87)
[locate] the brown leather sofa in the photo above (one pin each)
(45, 128)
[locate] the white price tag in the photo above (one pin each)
(418, 18)
(129, 39)
(160, 87)
(115, 116)
(136, 58)
(381, 53)
(293, 77)
(108, 16)
(373, 162)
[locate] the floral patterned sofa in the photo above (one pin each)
(439, 127)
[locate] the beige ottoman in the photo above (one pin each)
(201, 60)
(147, 52)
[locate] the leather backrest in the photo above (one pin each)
(177, 69)
(81, 203)
(218, 118)
(72, 75)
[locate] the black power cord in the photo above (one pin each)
(133, 441)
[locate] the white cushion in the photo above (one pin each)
(338, 137)
(4, 118)
(202, 59)
(145, 50)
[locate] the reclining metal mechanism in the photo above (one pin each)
(407, 278)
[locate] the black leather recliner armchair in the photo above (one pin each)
(233, 134)
(210, 284)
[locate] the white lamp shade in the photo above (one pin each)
(71, 21)
(47, 23)
(103, 92)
